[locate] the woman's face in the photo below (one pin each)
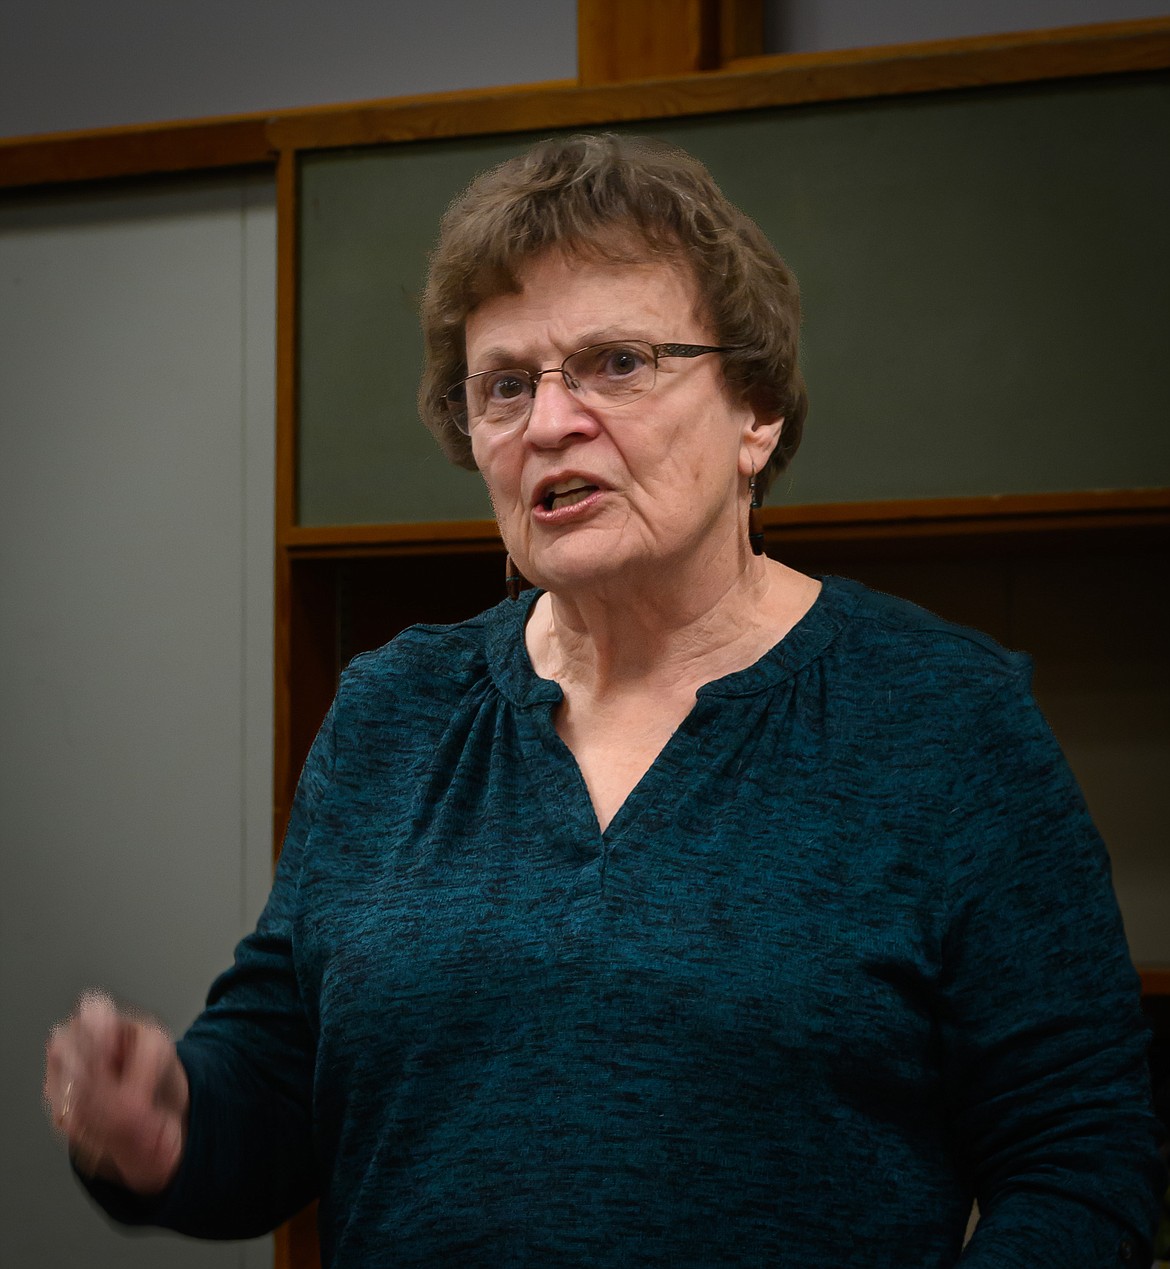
(657, 481)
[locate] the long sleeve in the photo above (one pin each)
(847, 956)
(1044, 1043)
(249, 1161)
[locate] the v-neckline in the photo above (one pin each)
(516, 677)
(628, 811)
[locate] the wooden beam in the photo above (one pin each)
(287, 758)
(63, 157)
(944, 519)
(741, 30)
(748, 83)
(623, 40)
(295, 1242)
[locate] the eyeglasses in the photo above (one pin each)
(610, 374)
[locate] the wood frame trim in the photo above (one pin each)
(146, 150)
(659, 37)
(837, 521)
(1079, 511)
(1155, 980)
(618, 40)
(284, 761)
(747, 83)
(741, 30)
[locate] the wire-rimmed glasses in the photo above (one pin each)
(609, 374)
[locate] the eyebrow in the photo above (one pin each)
(500, 358)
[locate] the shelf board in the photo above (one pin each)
(926, 520)
(1155, 980)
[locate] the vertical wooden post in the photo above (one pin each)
(620, 40)
(284, 777)
(741, 29)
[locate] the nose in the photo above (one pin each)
(566, 378)
(556, 413)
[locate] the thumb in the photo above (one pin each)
(148, 1111)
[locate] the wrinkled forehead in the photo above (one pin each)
(562, 302)
(625, 256)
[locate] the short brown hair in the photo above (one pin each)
(619, 198)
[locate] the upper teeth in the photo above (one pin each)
(563, 488)
(567, 486)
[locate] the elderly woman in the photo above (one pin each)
(682, 909)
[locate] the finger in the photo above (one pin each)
(58, 1108)
(56, 1080)
(75, 1046)
(89, 1159)
(150, 1062)
(147, 1125)
(65, 1062)
(96, 998)
(131, 1124)
(118, 1093)
(97, 1074)
(97, 1028)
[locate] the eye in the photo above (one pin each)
(505, 385)
(619, 361)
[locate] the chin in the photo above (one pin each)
(563, 572)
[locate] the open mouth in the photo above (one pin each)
(566, 493)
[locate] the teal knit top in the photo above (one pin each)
(847, 958)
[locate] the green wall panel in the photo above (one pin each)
(986, 279)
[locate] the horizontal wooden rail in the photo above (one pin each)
(998, 514)
(1082, 511)
(778, 80)
(155, 149)
(1155, 980)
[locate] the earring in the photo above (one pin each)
(512, 579)
(755, 528)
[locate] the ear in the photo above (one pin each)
(761, 435)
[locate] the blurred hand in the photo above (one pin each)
(117, 1092)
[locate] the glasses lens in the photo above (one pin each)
(496, 398)
(613, 372)
(456, 399)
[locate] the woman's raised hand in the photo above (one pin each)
(117, 1092)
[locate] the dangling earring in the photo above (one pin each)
(512, 579)
(755, 528)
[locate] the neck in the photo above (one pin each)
(664, 634)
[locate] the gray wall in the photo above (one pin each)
(805, 26)
(136, 337)
(75, 64)
(136, 398)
